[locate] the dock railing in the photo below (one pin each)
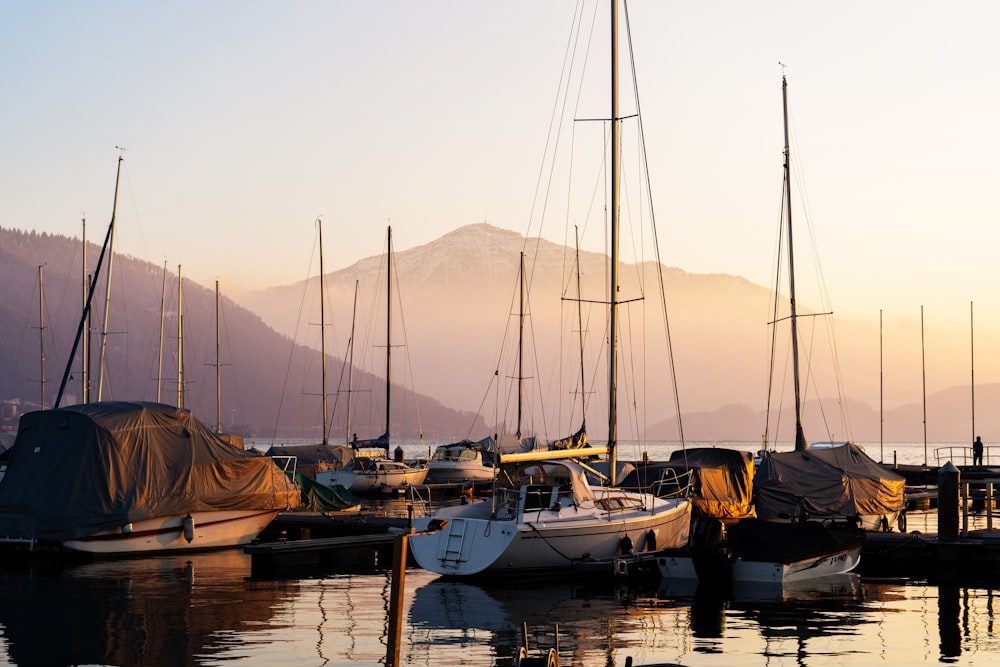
(991, 487)
(960, 455)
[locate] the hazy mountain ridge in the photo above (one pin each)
(458, 296)
(269, 386)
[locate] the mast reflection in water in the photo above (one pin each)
(206, 609)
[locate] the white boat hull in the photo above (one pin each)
(367, 482)
(207, 530)
(460, 472)
(745, 571)
(475, 543)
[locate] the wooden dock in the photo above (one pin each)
(348, 553)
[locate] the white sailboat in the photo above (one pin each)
(544, 514)
(371, 470)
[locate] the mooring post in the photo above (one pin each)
(949, 480)
(396, 599)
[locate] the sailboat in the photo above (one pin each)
(474, 461)
(830, 481)
(371, 470)
(545, 515)
(129, 477)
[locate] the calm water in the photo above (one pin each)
(207, 609)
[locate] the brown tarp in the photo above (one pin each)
(722, 484)
(81, 469)
(839, 481)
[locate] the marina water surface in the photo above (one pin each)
(206, 609)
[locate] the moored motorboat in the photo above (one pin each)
(459, 462)
(130, 477)
(756, 551)
(373, 473)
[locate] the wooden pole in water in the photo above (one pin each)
(396, 599)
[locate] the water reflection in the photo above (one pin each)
(163, 610)
(207, 609)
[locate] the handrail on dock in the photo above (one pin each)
(992, 490)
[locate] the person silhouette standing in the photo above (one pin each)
(977, 452)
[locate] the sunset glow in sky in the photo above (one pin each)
(244, 121)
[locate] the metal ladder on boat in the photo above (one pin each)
(451, 548)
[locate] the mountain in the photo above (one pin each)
(455, 324)
(270, 386)
(459, 299)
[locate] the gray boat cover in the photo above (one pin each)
(78, 470)
(839, 481)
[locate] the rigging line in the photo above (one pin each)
(409, 358)
(232, 365)
(292, 346)
(825, 301)
(774, 315)
(656, 242)
(550, 158)
(553, 133)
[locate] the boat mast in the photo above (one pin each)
(520, 350)
(180, 339)
(612, 347)
(107, 290)
(388, 328)
(350, 366)
(41, 332)
(218, 366)
(322, 324)
(159, 359)
(800, 439)
(85, 317)
(85, 361)
(579, 322)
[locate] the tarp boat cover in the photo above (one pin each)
(721, 480)
(839, 481)
(78, 470)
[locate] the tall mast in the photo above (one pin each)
(88, 340)
(612, 344)
(159, 358)
(388, 329)
(322, 324)
(107, 290)
(579, 322)
(520, 350)
(85, 317)
(41, 333)
(218, 366)
(180, 339)
(800, 439)
(85, 361)
(350, 365)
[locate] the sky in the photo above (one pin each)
(244, 121)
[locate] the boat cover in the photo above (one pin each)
(839, 481)
(721, 480)
(78, 470)
(318, 497)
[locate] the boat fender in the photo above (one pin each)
(901, 522)
(188, 528)
(625, 545)
(651, 540)
(883, 524)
